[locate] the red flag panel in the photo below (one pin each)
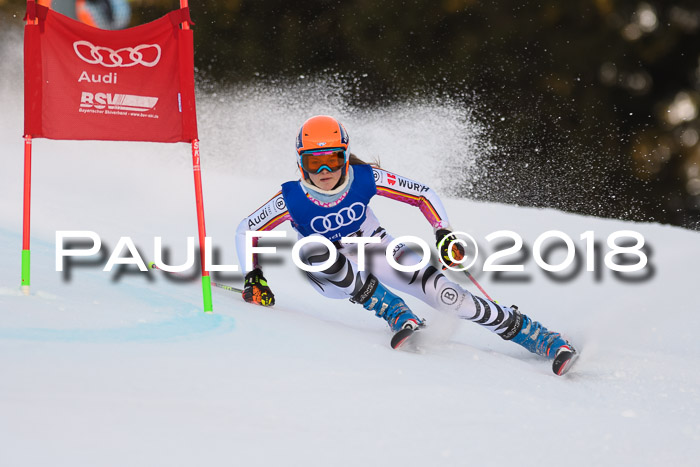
(84, 83)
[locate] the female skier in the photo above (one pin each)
(331, 199)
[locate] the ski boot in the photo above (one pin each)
(375, 297)
(538, 340)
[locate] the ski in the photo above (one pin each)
(401, 337)
(405, 339)
(563, 360)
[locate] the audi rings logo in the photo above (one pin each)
(145, 54)
(336, 220)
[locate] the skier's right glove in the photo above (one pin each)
(256, 289)
(447, 245)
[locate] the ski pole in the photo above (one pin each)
(471, 278)
(215, 284)
(478, 285)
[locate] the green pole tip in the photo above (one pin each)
(206, 293)
(26, 263)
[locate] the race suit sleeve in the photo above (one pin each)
(410, 192)
(267, 217)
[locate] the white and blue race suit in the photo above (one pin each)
(340, 220)
(350, 215)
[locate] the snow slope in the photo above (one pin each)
(112, 369)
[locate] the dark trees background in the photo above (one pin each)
(595, 99)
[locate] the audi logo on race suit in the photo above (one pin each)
(336, 220)
(147, 55)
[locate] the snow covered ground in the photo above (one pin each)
(112, 369)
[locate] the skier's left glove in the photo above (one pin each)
(445, 242)
(256, 289)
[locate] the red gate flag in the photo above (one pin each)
(84, 83)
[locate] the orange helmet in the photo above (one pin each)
(322, 133)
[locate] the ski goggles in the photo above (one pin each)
(315, 161)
